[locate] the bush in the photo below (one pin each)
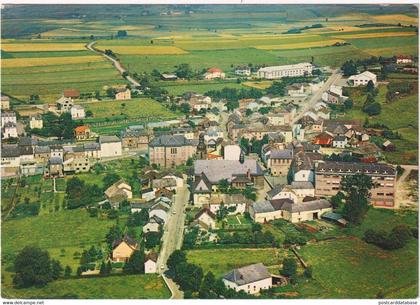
(396, 239)
(295, 239)
(372, 109)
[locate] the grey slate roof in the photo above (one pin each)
(306, 206)
(355, 168)
(216, 170)
(42, 149)
(108, 139)
(339, 138)
(281, 154)
(91, 146)
(56, 160)
(301, 185)
(263, 206)
(10, 151)
(170, 141)
(248, 274)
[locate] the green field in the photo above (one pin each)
(221, 261)
(135, 108)
(406, 122)
(70, 230)
(350, 268)
(148, 286)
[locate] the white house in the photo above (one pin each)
(64, 104)
(251, 279)
(153, 224)
(243, 70)
(77, 112)
(362, 79)
(206, 219)
(35, 122)
(213, 73)
(110, 146)
(150, 264)
(9, 130)
(161, 210)
(294, 191)
(179, 180)
(340, 141)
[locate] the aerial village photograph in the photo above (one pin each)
(209, 151)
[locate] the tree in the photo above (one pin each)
(356, 189)
(248, 112)
(152, 239)
(337, 199)
(223, 186)
(256, 227)
(110, 92)
(277, 88)
(32, 267)
(370, 87)
(122, 33)
(102, 270)
(177, 257)
(348, 104)
(372, 109)
(184, 71)
(206, 288)
(289, 267)
(110, 179)
(135, 264)
(232, 105)
(56, 269)
(108, 267)
(308, 272)
(249, 193)
(349, 68)
(89, 114)
(113, 234)
(185, 108)
(67, 271)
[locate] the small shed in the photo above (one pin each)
(335, 217)
(388, 146)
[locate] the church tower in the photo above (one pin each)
(201, 148)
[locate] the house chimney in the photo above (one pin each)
(241, 157)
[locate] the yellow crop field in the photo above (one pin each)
(299, 45)
(40, 47)
(392, 50)
(144, 50)
(279, 36)
(376, 35)
(259, 85)
(395, 17)
(48, 61)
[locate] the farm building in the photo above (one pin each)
(362, 79)
(35, 122)
(77, 112)
(71, 93)
(267, 210)
(243, 70)
(388, 146)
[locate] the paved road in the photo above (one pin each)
(115, 62)
(333, 79)
(402, 198)
(173, 236)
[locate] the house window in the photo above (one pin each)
(173, 150)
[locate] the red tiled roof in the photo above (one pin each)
(214, 70)
(81, 129)
(71, 93)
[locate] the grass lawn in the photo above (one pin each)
(406, 122)
(66, 229)
(351, 268)
(199, 87)
(147, 286)
(134, 108)
(221, 261)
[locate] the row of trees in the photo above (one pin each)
(80, 194)
(395, 239)
(57, 126)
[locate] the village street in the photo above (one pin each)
(173, 235)
(333, 79)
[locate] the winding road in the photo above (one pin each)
(115, 62)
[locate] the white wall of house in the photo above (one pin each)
(113, 149)
(305, 216)
(304, 175)
(251, 288)
(205, 218)
(151, 227)
(240, 208)
(201, 199)
(286, 194)
(150, 266)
